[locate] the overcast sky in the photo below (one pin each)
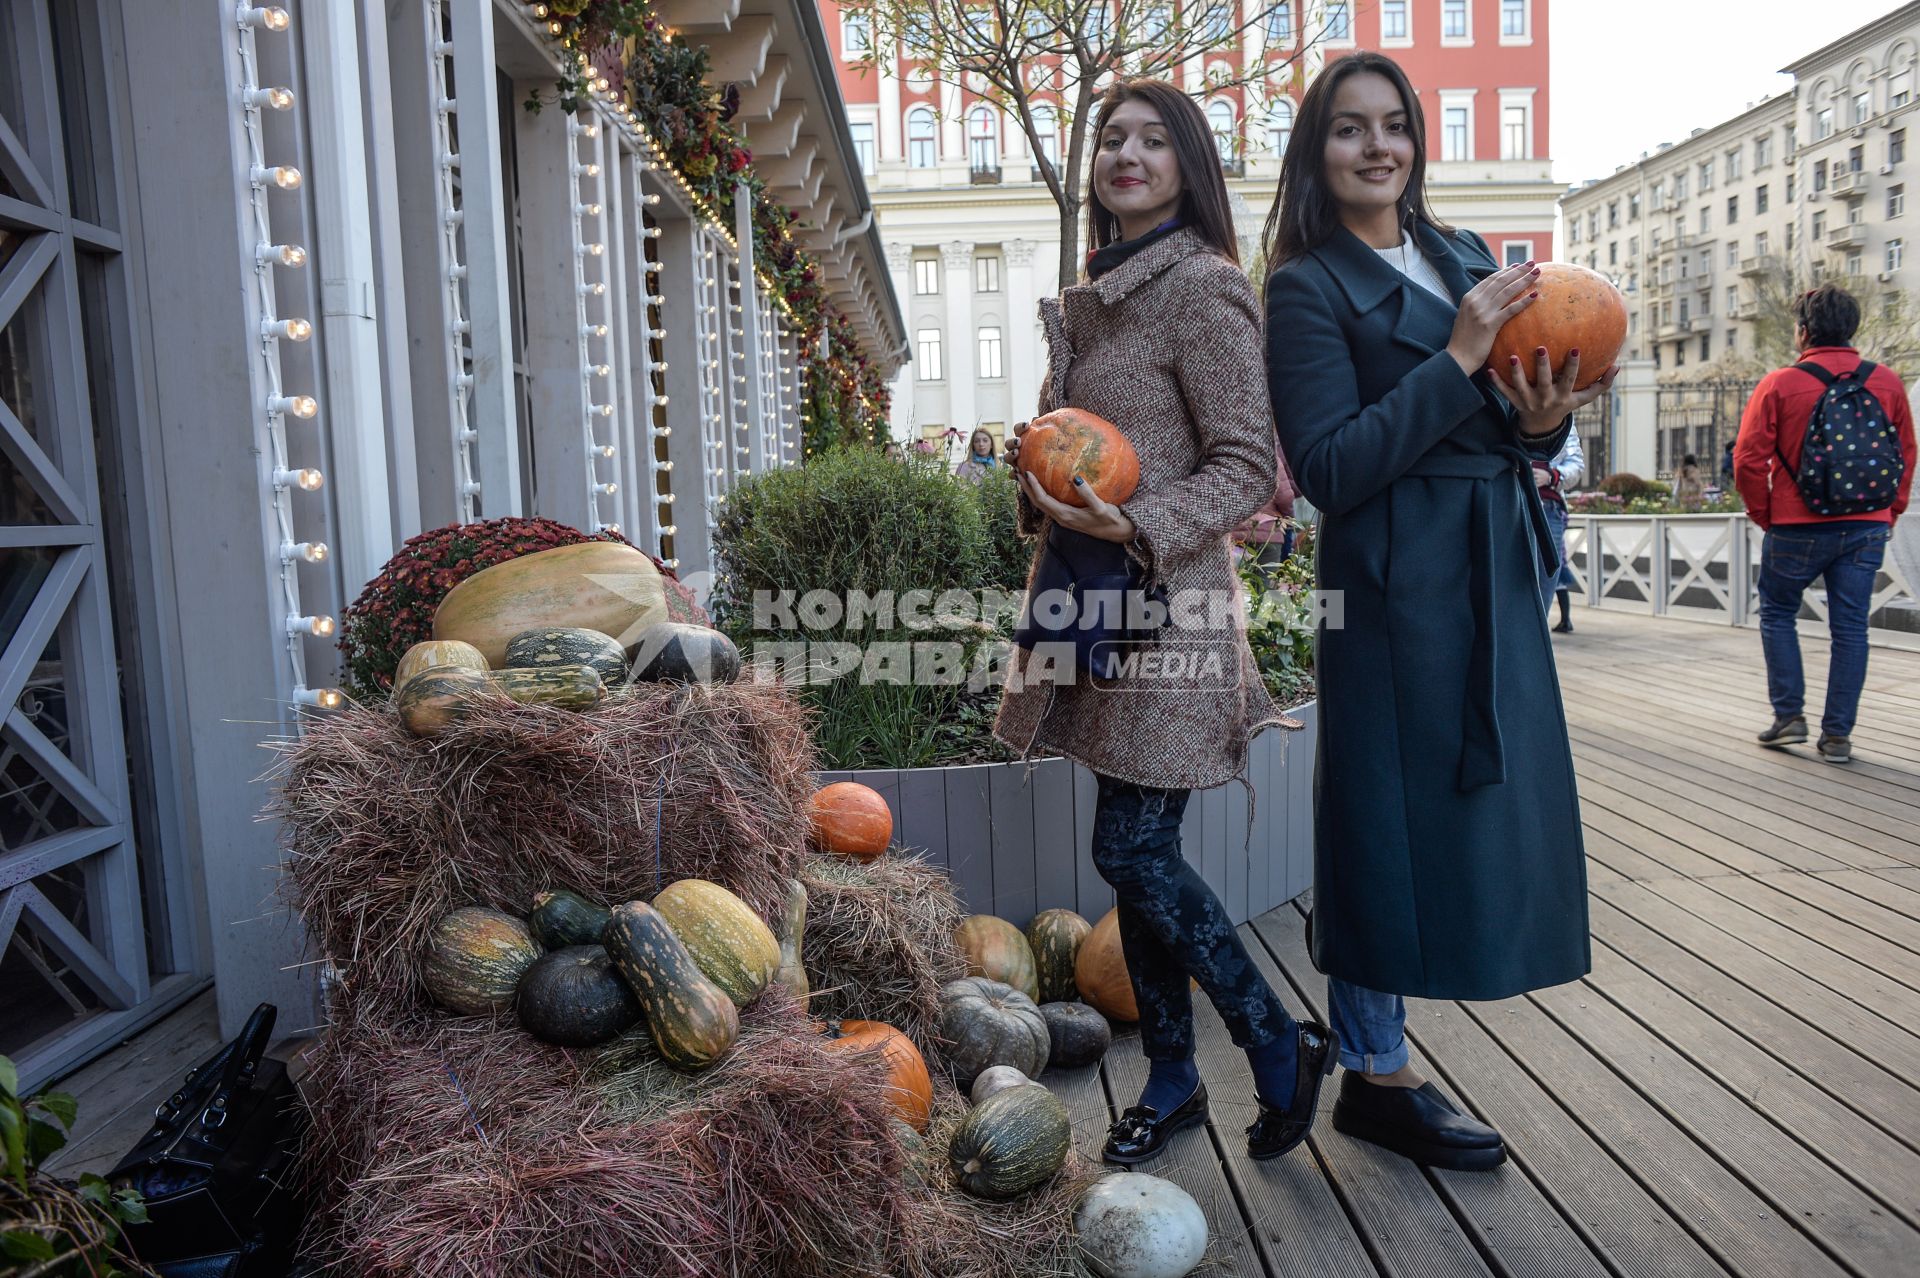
(1628, 75)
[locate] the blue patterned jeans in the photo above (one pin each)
(1172, 926)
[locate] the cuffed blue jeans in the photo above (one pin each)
(1561, 576)
(1172, 926)
(1372, 1027)
(1848, 555)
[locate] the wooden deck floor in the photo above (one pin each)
(1734, 1090)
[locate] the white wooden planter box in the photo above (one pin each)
(1017, 837)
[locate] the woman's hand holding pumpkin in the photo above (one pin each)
(1010, 451)
(1097, 518)
(1488, 305)
(1544, 402)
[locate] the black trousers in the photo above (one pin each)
(1172, 926)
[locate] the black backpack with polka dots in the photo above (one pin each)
(1850, 460)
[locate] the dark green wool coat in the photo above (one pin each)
(1447, 853)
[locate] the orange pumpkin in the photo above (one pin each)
(851, 819)
(1577, 309)
(908, 1085)
(1069, 442)
(1100, 971)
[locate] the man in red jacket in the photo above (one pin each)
(1802, 544)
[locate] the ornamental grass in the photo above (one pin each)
(385, 833)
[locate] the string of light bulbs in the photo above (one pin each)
(458, 334)
(741, 461)
(593, 313)
(284, 479)
(653, 395)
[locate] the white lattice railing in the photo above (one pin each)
(1705, 567)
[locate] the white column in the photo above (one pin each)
(1023, 372)
(891, 147)
(900, 266)
(957, 257)
(1636, 426)
(759, 457)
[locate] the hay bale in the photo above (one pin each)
(879, 942)
(386, 832)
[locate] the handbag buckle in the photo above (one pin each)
(214, 1116)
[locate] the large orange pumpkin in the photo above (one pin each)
(1100, 971)
(1069, 442)
(908, 1085)
(1577, 309)
(851, 819)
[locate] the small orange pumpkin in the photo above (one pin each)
(1069, 442)
(909, 1086)
(1577, 309)
(852, 820)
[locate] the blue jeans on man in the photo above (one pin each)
(1848, 554)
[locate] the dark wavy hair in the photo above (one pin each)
(1304, 215)
(1830, 315)
(1203, 199)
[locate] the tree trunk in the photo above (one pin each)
(1069, 247)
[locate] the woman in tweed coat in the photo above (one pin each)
(1164, 342)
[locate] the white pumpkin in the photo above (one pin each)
(1132, 1225)
(997, 1078)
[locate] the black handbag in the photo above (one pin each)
(217, 1169)
(1088, 601)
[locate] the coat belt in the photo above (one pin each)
(1482, 755)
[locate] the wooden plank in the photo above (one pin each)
(1192, 1162)
(116, 1094)
(1837, 1214)
(1837, 935)
(1053, 837)
(970, 834)
(1867, 914)
(923, 812)
(1733, 843)
(1888, 893)
(1081, 1091)
(1504, 1213)
(1095, 896)
(1010, 798)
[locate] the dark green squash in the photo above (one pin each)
(569, 687)
(475, 959)
(562, 918)
(1010, 1143)
(551, 646)
(692, 1020)
(985, 1023)
(916, 1164)
(439, 697)
(574, 998)
(1079, 1035)
(1054, 936)
(679, 652)
(733, 946)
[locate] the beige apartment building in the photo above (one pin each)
(1710, 236)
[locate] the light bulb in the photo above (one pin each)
(307, 480)
(657, 334)
(602, 370)
(293, 405)
(314, 552)
(670, 530)
(273, 19)
(587, 170)
(594, 330)
(608, 489)
(653, 232)
(294, 330)
(323, 698)
(591, 130)
(540, 11)
(653, 198)
(554, 28)
(284, 176)
(318, 627)
(587, 210)
(605, 410)
(595, 250)
(666, 465)
(612, 528)
(274, 99)
(662, 367)
(662, 401)
(606, 450)
(283, 254)
(656, 299)
(663, 431)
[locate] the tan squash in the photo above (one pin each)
(435, 652)
(595, 585)
(996, 949)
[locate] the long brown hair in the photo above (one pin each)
(1203, 198)
(1304, 215)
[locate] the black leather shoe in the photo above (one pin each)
(1278, 1130)
(1418, 1123)
(1141, 1133)
(1563, 627)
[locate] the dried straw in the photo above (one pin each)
(879, 942)
(386, 832)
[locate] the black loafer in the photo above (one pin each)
(1141, 1133)
(1418, 1123)
(1278, 1130)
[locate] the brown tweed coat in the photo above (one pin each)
(1167, 347)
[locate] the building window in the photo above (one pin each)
(1760, 244)
(1819, 176)
(1733, 254)
(1856, 158)
(917, 31)
(983, 140)
(1733, 209)
(862, 132)
(1732, 340)
(1759, 199)
(1613, 252)
(929, 344)
(926, 276)
(1733, 298)
(1573, 228)
(922, 146)
(1279, 126)
(1633, 207)
(1220, 120)
(1514, 143)
(1047, 126)
(990, 353)
(986, 274)
(1280, 24)
(1896, 199)
(1339, 22)
(856, 34)
(1593, 224)
(1862, 106)
(1706, 175)
(1633, 246)
(1706, 347)
(1455, 124)
(1613, 215)
(1514, 252)
(1513, 20)
(1216, 24)
(1896, 254)
(1454, 21)
(1097, 26)
(1793, 236)
(1823, 124)
(1819, 225)
(1856, 263)
(1733, 165)
(1900, 89)
(1680, 185)
(1790, 186)
(1762, 152)
(1393, 20)
(1154, 24)
(1896, 147)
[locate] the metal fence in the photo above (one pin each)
(1698, 418)
(1595, 426)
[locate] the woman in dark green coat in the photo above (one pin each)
(1448, 859)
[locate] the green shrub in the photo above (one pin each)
(851, 520)
(1280, 626)
(1627, 486)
